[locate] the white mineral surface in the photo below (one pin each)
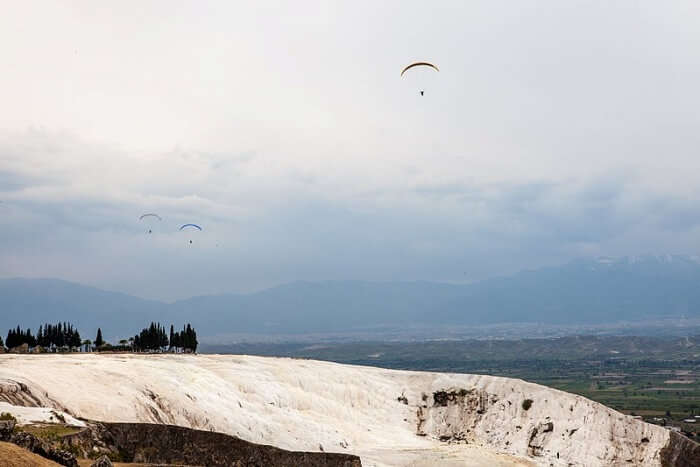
(387, 417)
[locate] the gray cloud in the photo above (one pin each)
(551, 132)
(455, 231)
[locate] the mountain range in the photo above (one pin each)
(584, 291)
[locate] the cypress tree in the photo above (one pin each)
(99, 342)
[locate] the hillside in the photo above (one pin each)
(584, 292)
(15, 456)
(31, 302)
(386, 417)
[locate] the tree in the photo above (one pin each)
(99, 342)
(191, 338)
(75, 339)
(17, 337)
(87, 343)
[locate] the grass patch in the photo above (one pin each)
(5, 416)
(53, 432)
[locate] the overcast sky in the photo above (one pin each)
(553, 130)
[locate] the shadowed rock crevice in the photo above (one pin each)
(539, 437)
(453, 413)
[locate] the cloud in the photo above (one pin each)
(273, 228)
(537, 141)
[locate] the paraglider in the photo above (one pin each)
(192, 226)
(419, 64)
(413, 65)
(151, 216)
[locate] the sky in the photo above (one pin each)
(553, 130)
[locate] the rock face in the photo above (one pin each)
(17, 393)
(539, 436)
(102, 461)
(33, 444)
(387, 417)
(551, 427)
(680, 452)
(166, 444)
(6, 429)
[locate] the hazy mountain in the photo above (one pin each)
(584, 291)
(30, 302)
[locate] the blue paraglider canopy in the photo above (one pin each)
(191, 225)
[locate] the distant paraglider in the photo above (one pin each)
(150, 216)
(413, 65)
(419, 64)
(190, 226)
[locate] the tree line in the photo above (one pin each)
(58, 335)
(17, 337)
(49, 336)
(155, 338)
(65, 335)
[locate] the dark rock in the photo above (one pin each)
(6, 429)
(103, 461)
(33, 444)
(168, 444)
(443, 398)
(680, 452)
(539, 437)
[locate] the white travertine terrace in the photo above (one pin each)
(386, 417)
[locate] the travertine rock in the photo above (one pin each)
(386, 417)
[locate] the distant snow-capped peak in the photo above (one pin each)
(635, 259)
